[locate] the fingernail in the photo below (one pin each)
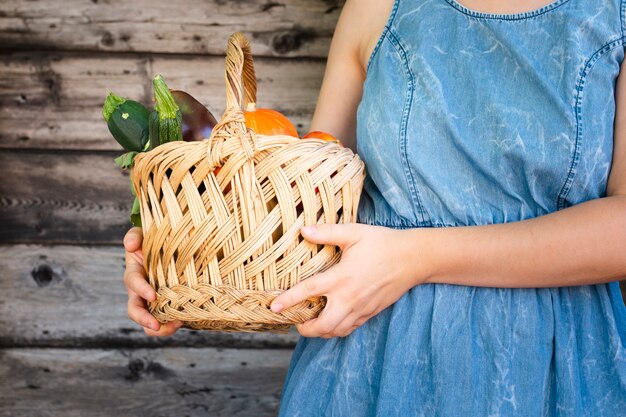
(156, 327)
(309, 230)
(129, 241)
(277, 308)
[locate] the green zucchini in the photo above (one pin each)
(166, 121)
(127, 121)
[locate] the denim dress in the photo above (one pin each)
(470, 118)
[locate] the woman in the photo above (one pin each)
(492, 222)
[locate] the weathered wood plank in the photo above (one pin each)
(150, 383)
(285, 28)
(54, 101)
(62, 197)
(73, 296)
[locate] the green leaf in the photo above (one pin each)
(126, 160)
(135, 215)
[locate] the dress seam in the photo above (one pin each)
(510, 16)
(418, 207)
(578, 98)
(621, 16)
(383, 35)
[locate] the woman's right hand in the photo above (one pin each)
(139, 291)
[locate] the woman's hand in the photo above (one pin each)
(139, 290)
(373, 273)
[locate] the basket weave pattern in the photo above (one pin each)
(219, 247)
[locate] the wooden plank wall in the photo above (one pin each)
(67, 347)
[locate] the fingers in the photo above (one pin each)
(133, 239)
(138, 256)
(311, 287)
(342, 235)
(348, 325)
(313, 328)
(138, 313)
(167, 329)
(135, 279)
(336, 319)
(322, 326)
(140, 290)
(347, 332)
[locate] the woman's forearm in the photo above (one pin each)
(580, 245)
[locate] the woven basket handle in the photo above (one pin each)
(239, 67)
(240, 91)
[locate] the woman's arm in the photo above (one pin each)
(583, 244)
(360, 25)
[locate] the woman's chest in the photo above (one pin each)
(473, 111)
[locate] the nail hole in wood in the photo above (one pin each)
(135, 367)
(43, 275)
(107, 39)
(291, 40)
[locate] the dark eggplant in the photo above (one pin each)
(198, 122)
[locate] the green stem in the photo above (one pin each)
(165, 104)
(112, 102)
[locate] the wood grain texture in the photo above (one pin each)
(60, 197)
(73, 296)
(67, 347)
(54, 101)
(286, 28)
(147, 383)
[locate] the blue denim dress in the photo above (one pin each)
(470, 118)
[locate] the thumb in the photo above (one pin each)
(133, 239)
(342, 235)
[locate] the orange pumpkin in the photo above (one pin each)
(268, 122)
(318, 134)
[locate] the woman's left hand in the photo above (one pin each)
(374, 272)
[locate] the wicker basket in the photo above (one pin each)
(218, 248)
